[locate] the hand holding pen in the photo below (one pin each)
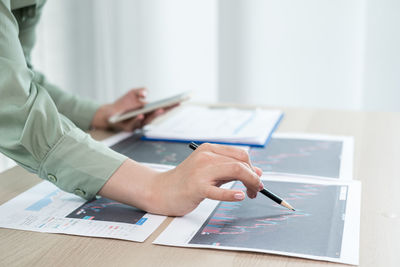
(180, 190)
(264, 191)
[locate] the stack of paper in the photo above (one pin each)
(311, 171)
(220, 125)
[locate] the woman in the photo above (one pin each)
(42, 129)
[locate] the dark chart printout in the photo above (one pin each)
(104, 209)
(315, 228)
(159, 152)
(299, 156)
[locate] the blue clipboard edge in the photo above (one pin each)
(144, 138)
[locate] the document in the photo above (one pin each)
(304, 154)
(325, 225)
(220, 125)
(300, 154)
(46, 208)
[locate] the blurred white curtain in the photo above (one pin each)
(293, 53)
(341, 54)
(310, 53)
(106, 47)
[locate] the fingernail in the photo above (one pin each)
(141, 96)
(239, 196)
(261, 186)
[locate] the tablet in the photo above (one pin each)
(166, 102)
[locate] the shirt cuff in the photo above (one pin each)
(85, 111)
(80, 165)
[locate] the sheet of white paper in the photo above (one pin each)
(194, 229)
(45, 208)
(308, 155)
(199, 123)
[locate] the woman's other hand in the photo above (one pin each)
(133, 99)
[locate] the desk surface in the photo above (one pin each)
(376, 164)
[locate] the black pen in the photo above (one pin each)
(264, 191)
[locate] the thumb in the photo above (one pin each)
(131, 100)
(221, 194)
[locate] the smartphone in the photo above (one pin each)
(149, 107)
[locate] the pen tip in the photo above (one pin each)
(287, 205)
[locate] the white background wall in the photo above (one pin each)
(311, 53)
(293, 53)
(381, 77)
(340, 54)
(167, 46)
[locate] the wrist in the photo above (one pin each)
(168, 195)
(101, 116)
(131, 184)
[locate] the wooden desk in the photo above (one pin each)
(376, 164)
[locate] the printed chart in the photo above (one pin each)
(45, 208)
(104, 209)
(262, 224)
(156, 152)
(325, 225)
(294, 154)
(308, 155)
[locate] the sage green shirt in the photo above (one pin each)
(41, 126)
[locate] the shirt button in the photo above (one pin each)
(52, 178)
(79, 192)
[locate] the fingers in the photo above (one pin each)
(140, 92)
(223, 169)
(258, 171)
(210, 158)
(132, 124)
(229, 151)
(133, 99)
(152, 115)
(140, 120)
(229, 171)
(221, 194)
(166, 109)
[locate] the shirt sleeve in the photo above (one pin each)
(35, 134)
(80, 111)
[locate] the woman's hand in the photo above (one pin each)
(132, 100)
(180, 190)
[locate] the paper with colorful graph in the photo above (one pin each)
(325, 225)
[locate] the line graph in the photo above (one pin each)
(45, 201)
(159, 152)
(217, 224)
(315, 228)
(299, 156)
(104, 209)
